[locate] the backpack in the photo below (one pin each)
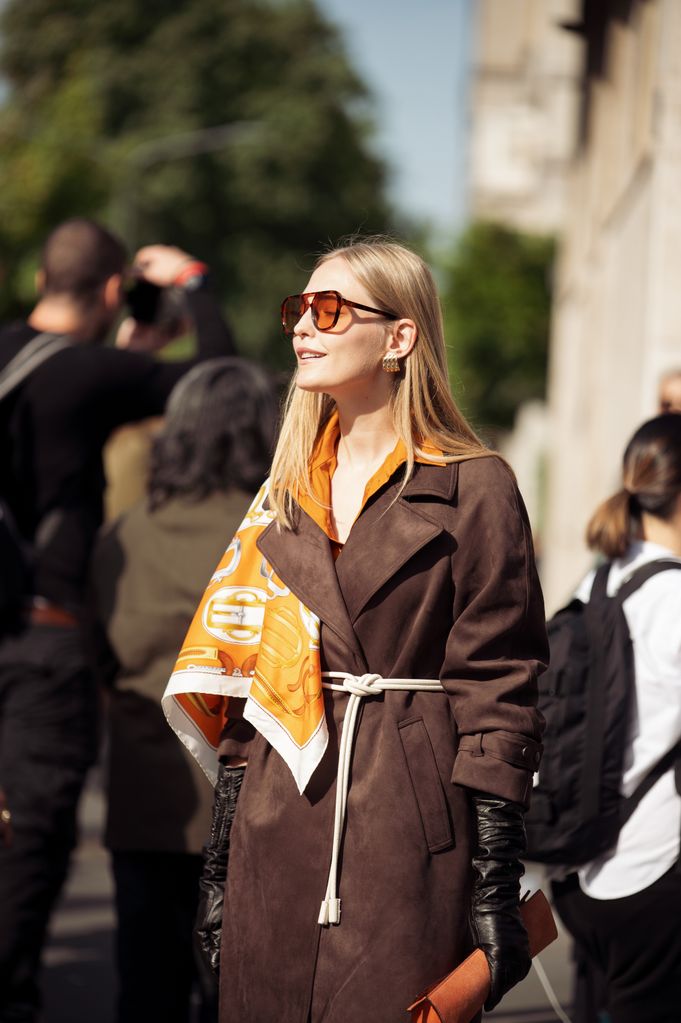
(15, 551)
(586, 695)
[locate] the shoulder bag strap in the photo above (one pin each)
(32, 355)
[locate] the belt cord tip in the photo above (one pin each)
(329, 912)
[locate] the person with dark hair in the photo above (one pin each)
(53, 426)
(149, 569)
(78, 257)
(623, 909)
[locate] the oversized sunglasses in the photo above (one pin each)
(325, 307)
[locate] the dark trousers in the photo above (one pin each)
(48, 740)
(156, 901)
(634, 945)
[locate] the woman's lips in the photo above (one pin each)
(305, 355)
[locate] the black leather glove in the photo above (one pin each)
(495, 902)
(208, 926)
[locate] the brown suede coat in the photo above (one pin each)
(439, 583)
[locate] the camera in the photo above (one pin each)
(143, 300)
(152, 305)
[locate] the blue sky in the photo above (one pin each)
(414, 59)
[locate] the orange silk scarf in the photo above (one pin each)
(250, 638)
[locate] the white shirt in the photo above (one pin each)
(648, 844)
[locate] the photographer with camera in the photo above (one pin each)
(64, 394)
(169, 299)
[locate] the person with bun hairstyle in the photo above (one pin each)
(364, 662)
(623, 909)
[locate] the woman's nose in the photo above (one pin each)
(305, 324)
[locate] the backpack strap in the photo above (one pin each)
(599, 586)
(673, 755)
(642, 574)
(663, 765)
(596, 709)
(594, 737)
(32, 355)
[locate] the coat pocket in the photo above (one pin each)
(427, 784)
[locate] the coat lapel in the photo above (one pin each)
(388, 533)
(303, 560)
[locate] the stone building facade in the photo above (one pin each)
(617, 300)
(524, 106)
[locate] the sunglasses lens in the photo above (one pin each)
(292, 309)
(325, 309)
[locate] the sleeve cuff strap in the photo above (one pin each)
(499, 763)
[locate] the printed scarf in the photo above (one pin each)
(250, 638)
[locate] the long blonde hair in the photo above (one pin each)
(421, 402)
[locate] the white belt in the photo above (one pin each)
(358, 686)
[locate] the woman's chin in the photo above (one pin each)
(306, 381)
(308, 385)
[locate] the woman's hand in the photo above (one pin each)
(496, 923)
(216, 856)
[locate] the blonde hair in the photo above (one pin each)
(421, 402)
(651, 483)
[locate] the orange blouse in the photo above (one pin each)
(323, 466)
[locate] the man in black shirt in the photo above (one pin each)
(53, 428)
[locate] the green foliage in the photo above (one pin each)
(497, 298)
(110, 114)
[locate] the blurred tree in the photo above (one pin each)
(497, 302)
(110, 112)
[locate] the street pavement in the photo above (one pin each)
(79, 976)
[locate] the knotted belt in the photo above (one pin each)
(359, 687)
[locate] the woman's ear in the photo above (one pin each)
(403, 335)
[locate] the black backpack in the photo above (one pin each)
(585, 695)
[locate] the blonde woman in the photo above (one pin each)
(376, 626)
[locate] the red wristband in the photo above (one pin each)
(193, 269)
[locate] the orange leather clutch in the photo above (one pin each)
(462, 993)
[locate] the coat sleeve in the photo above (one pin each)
(497, 645)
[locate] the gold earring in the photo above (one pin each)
(391, 363)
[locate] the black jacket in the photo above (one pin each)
(53, 429)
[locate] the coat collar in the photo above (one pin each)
(397, 527)
(304, 562)
(338, 591)
(433, 481)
